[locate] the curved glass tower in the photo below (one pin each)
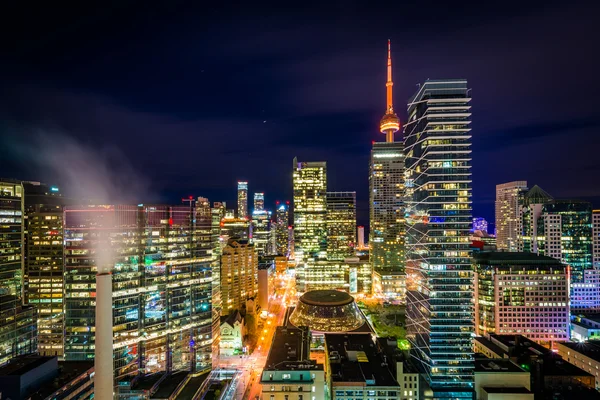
(440, 311)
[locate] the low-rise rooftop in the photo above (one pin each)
(589, 349)
(497, 365)
(289, 349)
(507, 390)
(356, 357)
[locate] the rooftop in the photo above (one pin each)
(556, 366)
(356, 357)
(497, 365)
(502, 257)
(490, 345)
(589, 349)
(508, 390)
(326, 298)
(290, 349)
(169, 384)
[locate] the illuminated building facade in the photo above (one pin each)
(361, 238)
(341, 225)
(509, 203)
(585, 296)
(352, 275)
(18, 334)
(310, 209)
(596, 238)
(259, 201)
(327, 311)
(44, 271)
(282, 221)
(242, 200)
(523, 294)
(480, 224)
(239, 274)
(232, 227)
(261, 232)
(162, 289)
(45, 275)
(561, 229)
(439, 220)
(386, 191)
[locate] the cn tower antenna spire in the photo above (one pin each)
(390, 123)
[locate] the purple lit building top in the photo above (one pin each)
(480, 224)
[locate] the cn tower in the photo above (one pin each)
(390, 123)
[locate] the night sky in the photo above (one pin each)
(164, 99)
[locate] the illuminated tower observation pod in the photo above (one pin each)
(390, 123)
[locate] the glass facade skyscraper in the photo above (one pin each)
(386, 201)
(440, 310)
(282, 221)
(162, 285)
(310, 209)
(259, 201)
(242, 199)
(341, 225)
(17, 321)
(509, 210)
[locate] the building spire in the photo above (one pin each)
(390, 123)
(389, 83)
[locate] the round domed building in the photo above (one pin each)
(327, 311)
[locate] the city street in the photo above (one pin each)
(251, 366)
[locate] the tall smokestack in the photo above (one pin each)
(103, 357)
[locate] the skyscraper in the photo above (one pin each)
(509, 202)
(596, 238)
(242, 200)
(282, 221)
(239, 274)
(259, 201)
(386, 193)
(439, 218)
(341, 225)
(17, 322)
(261, 231)
(361, 238)
(310, 209)
(162, 290)
(44, 268)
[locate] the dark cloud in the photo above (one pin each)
(196, 97)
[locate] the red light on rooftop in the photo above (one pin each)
(170, 221)
(277, 203)
(287, 202)
(373, 142)
(191, 197)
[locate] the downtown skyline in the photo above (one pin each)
(276, 96)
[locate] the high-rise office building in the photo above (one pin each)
(480, 224)
(361, 238)
(509, 203)
(310, 209)
(17, 321)
(44, 270)
(162, 290)
(239, 274)
(261, 232)
(242, 200)
(259, 201)
(560, 229)
(341, 225)
(386, 192)
(439, 219)
(523, 294)
(596, 238)
(282, 222)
